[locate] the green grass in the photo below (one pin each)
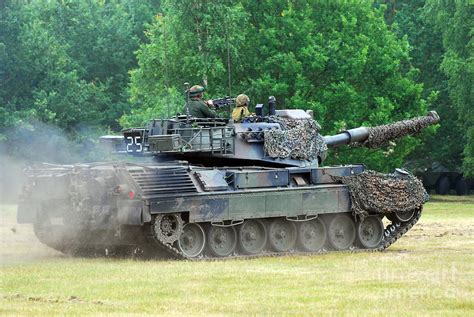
(429, 271)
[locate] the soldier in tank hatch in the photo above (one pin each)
(196, 106)
(241, 110)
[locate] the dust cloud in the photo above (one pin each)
(28, 146)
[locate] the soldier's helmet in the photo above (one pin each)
(242, 100)
(196, 91)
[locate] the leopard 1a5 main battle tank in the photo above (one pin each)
(204, 188)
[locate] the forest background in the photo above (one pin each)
(73, 70)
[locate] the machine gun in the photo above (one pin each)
(223, 102)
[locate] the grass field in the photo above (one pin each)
(429, 271)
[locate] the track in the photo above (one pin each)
(153, 248)
(392, 232)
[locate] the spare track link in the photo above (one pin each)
(392, 233)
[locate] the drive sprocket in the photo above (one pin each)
(167, 228)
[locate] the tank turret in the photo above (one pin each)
(286, 138)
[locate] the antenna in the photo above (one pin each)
(165, 62)
(229, 74)
(186, 94)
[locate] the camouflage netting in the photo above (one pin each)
(376, 193)
(380, 135)
(297, 139)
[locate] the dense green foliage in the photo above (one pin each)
(455, 22)
(65, 64)
(186, 43)
(340, 61)
(426, 52)
(441, 48)
(71, 65)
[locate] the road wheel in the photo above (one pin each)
(311, 235)
(370, 232)
(282, 235)
(341, 232)
(252, 236)
(221, 240)
(192, 240)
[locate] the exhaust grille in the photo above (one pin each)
(156, 182)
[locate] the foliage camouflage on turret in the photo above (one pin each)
(297, 139)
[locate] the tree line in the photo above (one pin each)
(89, 67)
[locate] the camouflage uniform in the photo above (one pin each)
(241, 111)
(196, 107)
(199, 109)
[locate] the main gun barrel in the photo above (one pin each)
(375, 137)
(347, 137)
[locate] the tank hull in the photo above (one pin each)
(186, 211)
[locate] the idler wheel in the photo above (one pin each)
(370, 231)
(341, 232)
(192, 240)
(221, 240)
(311, 235)
(252, 236)
(282, 235)
(401, 216)
(167, 228)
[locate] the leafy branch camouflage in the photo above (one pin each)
(376, 193)
(297, 139)
(380, 135)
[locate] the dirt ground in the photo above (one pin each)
(18, 242)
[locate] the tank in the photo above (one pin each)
(200, 188)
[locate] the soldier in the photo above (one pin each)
(241, 110)
(195, 106)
